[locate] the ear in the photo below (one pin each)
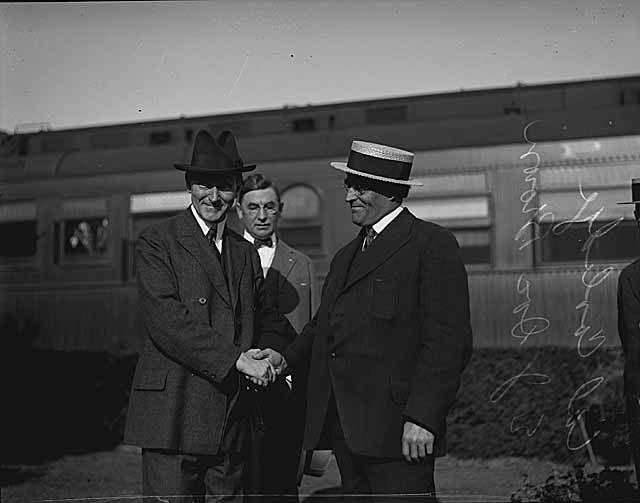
(238, 209)
(280, 206)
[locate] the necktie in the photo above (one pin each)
(369, 236)
(211, 237)
(259, 243)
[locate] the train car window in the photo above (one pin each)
(301, 223)
(386, 115)
(82, 234)
(304, 125)
(467, 217)
(573, 223)
(475, 245)
(85, 236)
(18, 228)
(301, 202)
(620, 243)
(160, 138)
(159, 202)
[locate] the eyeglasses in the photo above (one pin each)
(358, 189)
(269, 208)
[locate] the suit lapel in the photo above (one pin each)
(343, 262)
(283, 261)
(394, 236)
(236, 259)
(193, 240)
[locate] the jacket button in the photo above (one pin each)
(202, 300)
(333, 355)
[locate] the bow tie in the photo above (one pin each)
(259, 243)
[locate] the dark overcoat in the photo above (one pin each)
(391, 337)
(196, 325)
(629, 331)
(629, 325)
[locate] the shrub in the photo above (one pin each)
(66, 402)
(498, 413)
(577, 486)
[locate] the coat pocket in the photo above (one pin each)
(151, 380)
(384, 298)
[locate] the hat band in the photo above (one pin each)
(220, 162)
(380, 167)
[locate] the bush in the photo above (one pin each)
(63, 402)
(577, 486)
(535, 415)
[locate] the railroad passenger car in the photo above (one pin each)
(526, 177)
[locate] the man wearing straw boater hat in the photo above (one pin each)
(629, 330)
(391, 337)
(202, 309)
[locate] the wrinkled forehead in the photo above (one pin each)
(261, 196)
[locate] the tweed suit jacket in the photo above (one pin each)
(291, 282)
(196, 325)
(391, 338)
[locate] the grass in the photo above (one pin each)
(114, 476)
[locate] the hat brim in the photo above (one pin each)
(342, 166)
(195, 169)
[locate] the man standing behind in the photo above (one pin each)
(202, 308)
(629, 331)
(391, 337)
(290, 284)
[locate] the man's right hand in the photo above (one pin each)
(260, 372)
(277, 361)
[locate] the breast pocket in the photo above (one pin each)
(384, 298)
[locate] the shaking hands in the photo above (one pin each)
(261, 366)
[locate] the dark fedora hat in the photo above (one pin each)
(215, 157)
(635, 192)
(378, 162)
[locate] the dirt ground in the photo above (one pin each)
(115, 477)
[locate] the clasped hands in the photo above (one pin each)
(261, 366)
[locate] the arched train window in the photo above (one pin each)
(301, 223)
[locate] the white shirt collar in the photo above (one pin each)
(252, 240)
(381, 224)
(205, 226)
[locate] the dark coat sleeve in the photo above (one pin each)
(629, 325)
(170, 323)
(445, 333)
(273, 329)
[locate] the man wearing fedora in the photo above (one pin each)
(202, 308)
(629, 331)
(390, 340)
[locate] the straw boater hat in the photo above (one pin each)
(215, 157)
(378, 162)
(635, 192)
